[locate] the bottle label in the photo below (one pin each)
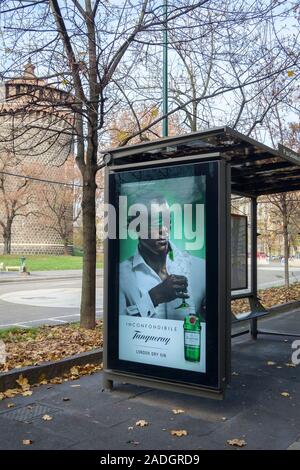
(191, 339)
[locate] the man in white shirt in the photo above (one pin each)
(159, 277)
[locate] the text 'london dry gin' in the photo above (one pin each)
(192, 331)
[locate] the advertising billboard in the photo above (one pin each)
(239, 252)
(163, 286)
(162, 282)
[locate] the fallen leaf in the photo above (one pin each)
(11, 392)
(271, 363)
(235, 373)
(224, 418)
(290, 364)
(10, 405)
(56, 380)
(28, 393)
(27, 442)
(237, 442)
(285, 394)
(43, 382)
(47, 418)
(135, 443)
(23, 382)
(179, 433)
(2, 396)
(130, 428)
(142, 423)
(66, 399)
(177, 412)
(74, 371)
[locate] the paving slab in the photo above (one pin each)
(254, 408)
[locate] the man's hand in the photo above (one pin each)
(171, 288)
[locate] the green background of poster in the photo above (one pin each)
(181, 190)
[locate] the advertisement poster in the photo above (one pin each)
(162, 273)
(239, 252)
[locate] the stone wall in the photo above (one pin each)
(36, 141)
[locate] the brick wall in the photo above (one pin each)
(38, 142)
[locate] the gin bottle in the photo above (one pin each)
(192, 332)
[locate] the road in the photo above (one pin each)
(51, 301)
(273, 275)
(55, 300)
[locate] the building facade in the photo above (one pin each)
(35, 140)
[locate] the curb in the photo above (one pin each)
(34, 279)
(7, 281)
(287, 307)
(49, 370)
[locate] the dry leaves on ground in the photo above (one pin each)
(142, 423)
(135, 443)
(179, 432)
(10, 393)
(23, 382)
(87, 369)
(47, 418)
(48, 343)
(269, 298)
(237, 442)
(27, 442)
(178, 412)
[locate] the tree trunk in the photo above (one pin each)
(88, 295)
(66, 248)
(7, 239)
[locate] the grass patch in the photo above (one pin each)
(48, 263)
(17, 334)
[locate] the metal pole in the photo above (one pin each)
(253, 322)
(165, 127)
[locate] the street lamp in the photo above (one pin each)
(165, 127)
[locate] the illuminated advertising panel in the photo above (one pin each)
(163, 287)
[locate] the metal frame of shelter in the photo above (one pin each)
(253, 168)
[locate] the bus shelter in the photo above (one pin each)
(167, 299)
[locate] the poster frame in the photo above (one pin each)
(113, 373)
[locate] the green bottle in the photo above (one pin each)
(192, 332)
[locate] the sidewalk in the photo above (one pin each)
(43, 275)
(254, 409)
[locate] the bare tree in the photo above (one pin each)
(59, 206)
(17, 196)
(85, 47)
(100, 55)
